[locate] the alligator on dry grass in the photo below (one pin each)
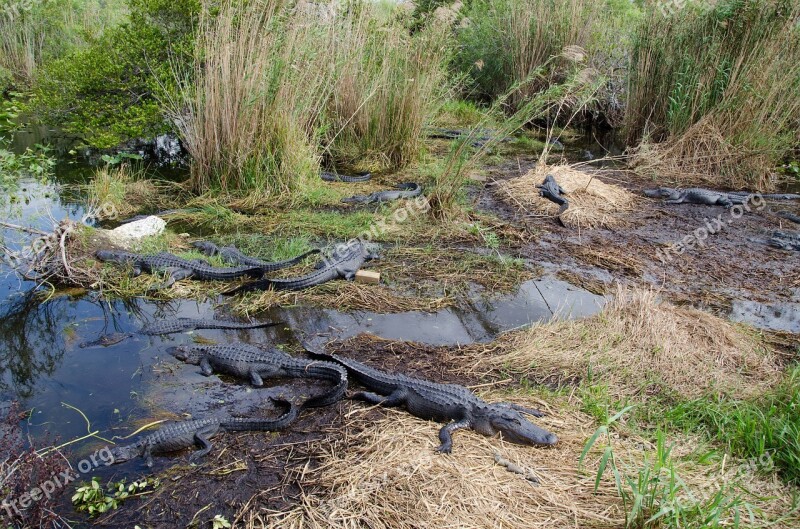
(185, 434)
(336, 177)
(405, 190)
(553, 192)
(785, 240)
(232, 255)
(697, 195)
(254, 364)
(343, 264)
(450, 403)
(177, 267)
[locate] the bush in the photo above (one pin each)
(502, 43)
(719, 87)
(108, 92)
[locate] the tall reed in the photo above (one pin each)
(719, 88)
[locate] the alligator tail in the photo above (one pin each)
(331, 372)
(241, 424)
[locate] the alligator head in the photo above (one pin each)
(121, 454)
(113, 256)
(185, 354)
(496, 419)
(662, 192)
(206, 247)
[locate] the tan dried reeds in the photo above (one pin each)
(639, 342)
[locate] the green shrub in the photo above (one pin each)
(108, 91)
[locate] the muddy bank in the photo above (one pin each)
(705, 256)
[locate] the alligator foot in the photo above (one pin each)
(446, 435)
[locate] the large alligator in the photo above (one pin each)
(785, 240)
(336, 177)
(445, 402)
(405, 190)
(344, 263)
(177, 267)
(181, 435)
(254, 364)
(553, 192)
(789, 216)
(233, 255)
(188, 324)
(697, 195)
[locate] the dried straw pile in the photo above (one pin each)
(387, 476)
(640, 342)
(592, 203)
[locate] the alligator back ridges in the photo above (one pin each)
(188, 324)
(329, 176)
(233, 255)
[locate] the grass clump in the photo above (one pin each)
(640, 343)
(275, 88)
(713, 93)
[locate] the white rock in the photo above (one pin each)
(134, 231)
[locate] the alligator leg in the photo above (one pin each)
(396, 398)
(148, 456)
(201, 438)
(205, 367)
(673, 202)
(255, 379)
(446, 435)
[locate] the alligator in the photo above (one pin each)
(444, 402)
(785, 240)
(405, 190)
(180, 435)
(481, 138)
(254, 364)
(789, 216)
(177, 267)
(164, 213)
(696, 195)
(188, 324)
(107, 340)
(336, 177)
(344, 263)
(550, 190)
(709, 197)
(233, 255)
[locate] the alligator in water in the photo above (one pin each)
(785, 240)
(344, 263)
(445, 402)
(405, 190)
(189, 324)
(336, 177)
(176, 267)
(107, 340)
(254, 364)
(789, 216)
(553, 192)
(233, 255)
(185, 434)
(709, 197)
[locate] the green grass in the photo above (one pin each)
(267, 247)
(767, 428)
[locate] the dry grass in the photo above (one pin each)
(118, 191)
(385, 475)
(592, 203)
(641, 343)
